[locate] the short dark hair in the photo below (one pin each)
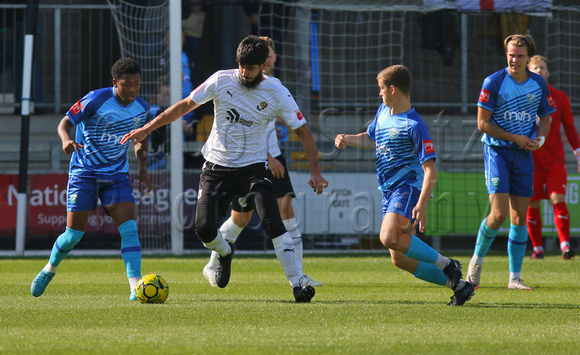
(398, 76)
(252, 51)
(269, 42)
(125, 66)
(521, 41)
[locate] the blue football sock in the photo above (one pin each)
(64, 244)
(430, 273)
(485, 237)
(517, 242)
(419, 250)
(130, 248)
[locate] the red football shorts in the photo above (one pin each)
(547, 182)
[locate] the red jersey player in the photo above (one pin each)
(550, 177)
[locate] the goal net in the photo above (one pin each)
(142, 28)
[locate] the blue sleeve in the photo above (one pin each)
(422, 141)
(371, 129)
(488, 95)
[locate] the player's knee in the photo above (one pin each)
(206, 230)
(241, 219)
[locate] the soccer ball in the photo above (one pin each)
(152, 289)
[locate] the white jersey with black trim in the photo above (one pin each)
(241, 114)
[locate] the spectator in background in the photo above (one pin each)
(508, 104)
(550, 176)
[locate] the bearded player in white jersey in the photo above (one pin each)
(277, 173)
(236, 155)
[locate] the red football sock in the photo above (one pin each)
(534, 222)
(562, 221)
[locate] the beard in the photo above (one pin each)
(252, 84)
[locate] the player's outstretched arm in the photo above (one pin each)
(174, 112)
(63, 130)
(361, 140)
(317, 182)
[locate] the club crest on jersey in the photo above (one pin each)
(495, 181)
(73, 198)
(262, 106)
(393, 133)
(242, 202)
(531, 98)
(136, 121)
(551, 101)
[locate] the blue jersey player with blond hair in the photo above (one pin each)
(509, 104)
(99, 168)
(405, 158)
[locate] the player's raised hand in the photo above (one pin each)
(318, 183)
(70, 146)
(137, 134)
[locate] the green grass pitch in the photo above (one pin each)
(366, 306)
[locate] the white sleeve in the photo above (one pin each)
(205, 91)
(289, 111)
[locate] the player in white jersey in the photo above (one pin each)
(405, 157)
(99, 168)
(236, 153)
(277, 173)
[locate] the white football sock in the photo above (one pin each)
(230, 231)
(219, 245)
(133, 281)
(476, 260)
(514, 275)
(49, 268)
(213, 260)
(292, 228)
(441, 261)
(287, 258)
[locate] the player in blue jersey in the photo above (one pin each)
(509, 104)
(405, 158)
(99, 168)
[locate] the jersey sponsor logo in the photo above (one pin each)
(76, 108)
(518, 116)
(393, 133)
(484, 96)
(262, 106)
(531, 98)
(551, 101)
(429, 146)
(299, 115)
(234, 117)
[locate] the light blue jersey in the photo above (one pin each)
(101, 121)
(514, 105)
(403, 144)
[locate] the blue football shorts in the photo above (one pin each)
(83, 192)
(401, 200)
(509, 170)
